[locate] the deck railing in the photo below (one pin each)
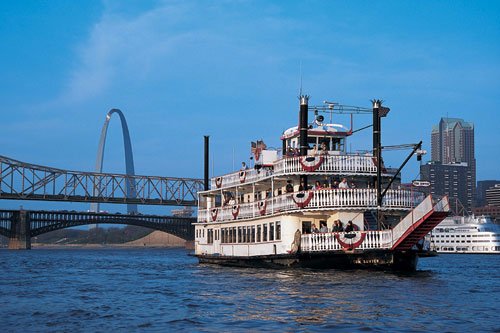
(354, 199)
(344, 164)
(329, 241)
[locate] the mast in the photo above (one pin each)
(378, 112)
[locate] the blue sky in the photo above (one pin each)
(231, 69)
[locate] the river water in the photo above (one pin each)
(159, 290)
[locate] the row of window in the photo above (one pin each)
(474, 248)
(457, 241)
(252, 234)
(243, 234)
(458, 236)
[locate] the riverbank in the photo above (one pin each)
(156, 239)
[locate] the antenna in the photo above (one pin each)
(300, 91)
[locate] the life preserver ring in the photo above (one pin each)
(311, 163)
(302, 199)
(235, 211)
(218, 182)
(214, 212)
(350, 240)
(262, 205)
(243, 176)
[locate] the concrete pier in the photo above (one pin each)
(20, 238)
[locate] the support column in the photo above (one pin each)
(20, 238)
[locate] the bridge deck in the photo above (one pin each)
(25, 181)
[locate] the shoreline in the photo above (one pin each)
(100, 246)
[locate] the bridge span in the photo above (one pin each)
(25, 181)
(20, 225)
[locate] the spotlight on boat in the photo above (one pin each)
(420, 153)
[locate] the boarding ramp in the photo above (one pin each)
(418, 223)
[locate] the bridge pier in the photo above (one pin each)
(20, 238)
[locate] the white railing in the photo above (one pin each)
(343, 164)
(329, 241)
(355, 199)
(240, 177)
(424, 208)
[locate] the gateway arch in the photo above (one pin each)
(129, 161)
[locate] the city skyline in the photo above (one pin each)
(178, 73)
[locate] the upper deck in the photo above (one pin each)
(312, 200)
(311, 153)
(332, 164)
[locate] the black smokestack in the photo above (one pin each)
(206, 160)
(303, 127)
(377, 149)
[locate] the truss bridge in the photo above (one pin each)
(25, 181)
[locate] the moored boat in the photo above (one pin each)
(465, 234)
(314, 204)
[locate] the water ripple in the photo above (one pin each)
(155, 290)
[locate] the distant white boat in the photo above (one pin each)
(469, 234)
(183, 212)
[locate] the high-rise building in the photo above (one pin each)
(452, 170)
(482, 187)
(493, 196)
(451, 180)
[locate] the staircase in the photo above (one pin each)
(418, 223)
(370, 220)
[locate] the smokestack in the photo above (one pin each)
(206, 160)
(377, 149)
(303, 124)
(303, 127)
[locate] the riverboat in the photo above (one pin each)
(271, 215)
(465, 234)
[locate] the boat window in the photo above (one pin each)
(243, 235)
(234, 235)
(312, 140)
(271, 231)
(253, 234)
(306, 227)
(239, 235)
(258, 233)
(264, 232)
(278, 230)
(249, 234)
